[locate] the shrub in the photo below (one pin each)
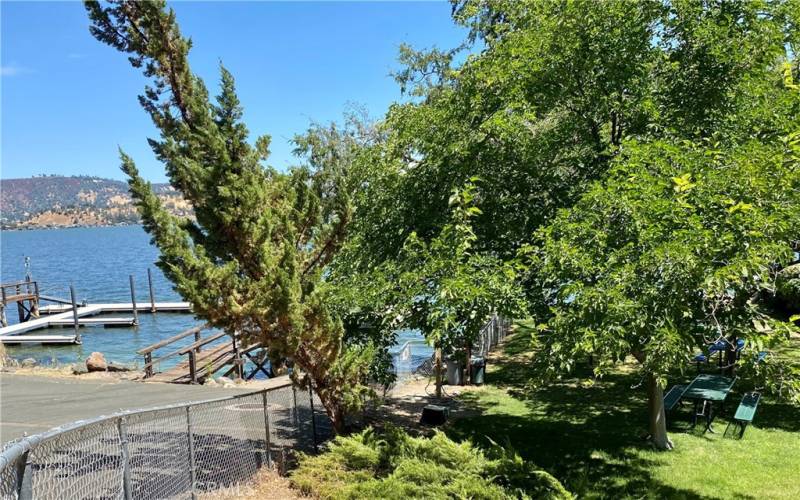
(394, 465)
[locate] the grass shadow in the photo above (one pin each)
(590, 434)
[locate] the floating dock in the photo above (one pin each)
(63, 316)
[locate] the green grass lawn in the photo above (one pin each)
(590, 436)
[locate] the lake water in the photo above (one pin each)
(97, 262)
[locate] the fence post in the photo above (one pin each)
(126, 468)
(294, 407)
(313, 417)
(24, 481)
(192, 472)
(266, 429)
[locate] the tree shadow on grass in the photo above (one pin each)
(587, 434)
(586, 437)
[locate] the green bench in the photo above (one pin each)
(746, 411)
(673, 397)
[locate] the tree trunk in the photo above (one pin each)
(334, 410)
(657, 415)
(437, 367)
(468, 376)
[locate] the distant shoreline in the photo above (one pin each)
(74, 226)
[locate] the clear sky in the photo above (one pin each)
(68, 101)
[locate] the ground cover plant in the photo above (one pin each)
(392, 464)
(589, 433)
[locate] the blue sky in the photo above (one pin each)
(68, 101)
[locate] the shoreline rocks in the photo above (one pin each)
(96, 362)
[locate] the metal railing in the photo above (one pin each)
(492, 333)
(176, 451)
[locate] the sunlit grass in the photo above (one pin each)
(591, 436)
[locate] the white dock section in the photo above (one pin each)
(122, 307)
(62, 315)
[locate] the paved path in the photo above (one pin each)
(31, 404)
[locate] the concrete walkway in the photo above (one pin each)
(31, 404)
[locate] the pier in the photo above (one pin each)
(58, 316)
(68, 313)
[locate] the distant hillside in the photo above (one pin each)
(56, 201)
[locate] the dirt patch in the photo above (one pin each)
(266, 484)
(403, 405)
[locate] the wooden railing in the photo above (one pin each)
(201, 362)
(19, 293)
(147, 352)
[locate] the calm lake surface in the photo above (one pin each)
(98, 261)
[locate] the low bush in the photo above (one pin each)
(394, 465)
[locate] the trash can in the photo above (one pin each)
(453, 371)
(478, 369)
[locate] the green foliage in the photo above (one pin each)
(394, 465)
(787, 287)
(255, 258)
(445, 287)
(675, 249)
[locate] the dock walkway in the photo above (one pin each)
(62, 315)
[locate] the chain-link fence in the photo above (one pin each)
(175, 451)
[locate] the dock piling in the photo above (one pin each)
(75, 313)
(133, 301)
(3, 318)
(152, 295)
(20, 307)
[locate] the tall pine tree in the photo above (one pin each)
(253, 261)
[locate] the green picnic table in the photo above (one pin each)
(705, 390)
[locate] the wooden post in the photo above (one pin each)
(237, 358)
(192, 367)
(3, 318)
(148, 358)
(20, 308)
(133, 302)
(197, 339)
(35, 301)
(74, 313)
(152, 294)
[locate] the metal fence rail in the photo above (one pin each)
(173, 451)
(492, 333)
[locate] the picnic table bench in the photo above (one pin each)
(673, 397)
(746, 411)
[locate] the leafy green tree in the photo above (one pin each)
(676, 249)
(445, 287)
(539, 105)
(555, 100)
(254, 260)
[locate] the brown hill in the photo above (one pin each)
(58, 201)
